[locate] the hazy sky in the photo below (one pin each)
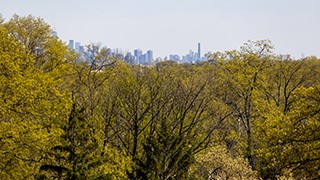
(176, 26)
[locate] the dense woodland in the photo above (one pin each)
(243, 114)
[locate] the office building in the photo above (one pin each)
(150, 56)
(77, 46)
(71, 44)
(137, 54)
(143, 59)
(174, 57)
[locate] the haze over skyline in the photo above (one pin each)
(176, 26)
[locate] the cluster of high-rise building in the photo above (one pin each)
(143, 58)
(76, 46)
(192, 57)
(139, 57)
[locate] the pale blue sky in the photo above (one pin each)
(175, 26)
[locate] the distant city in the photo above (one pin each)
(139, 57)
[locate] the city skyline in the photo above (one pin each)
(175, 27)
(143, 58)
(138, 57)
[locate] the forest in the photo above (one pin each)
(243, 114)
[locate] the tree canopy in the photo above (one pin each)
(243, 114)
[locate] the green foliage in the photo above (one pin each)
(159, 115)
(32, 106)
(292, 141)
(242, 115)
(261, 91)
(80, 156)
(217, 163)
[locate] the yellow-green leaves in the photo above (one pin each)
(217, 163)
(243, 114)
(32, 105)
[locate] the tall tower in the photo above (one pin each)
(199, 52)
(54, 34)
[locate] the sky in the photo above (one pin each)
(176, 26)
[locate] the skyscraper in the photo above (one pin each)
(77, 46)
(54, 34)
(150, 56)
(71, 44)
(143, 59)
(199, 52)
(137, 54)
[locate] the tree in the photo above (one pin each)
(80, 155)
(36, 37)
(157, 115)
(291, 139)
(277, 103)
(284, 77)
(241, 77)
(83, 151)
(90, 78)
(32, 108)
(217, 163)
